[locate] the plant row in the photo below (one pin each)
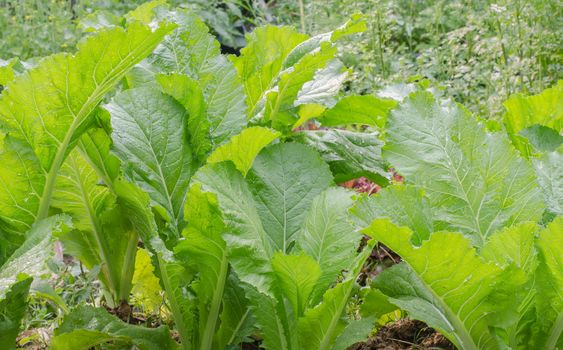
(149, 134)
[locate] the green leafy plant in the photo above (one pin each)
(183, 106)
(224, 169)
(44, 112)
(465, 224)
(289, 239)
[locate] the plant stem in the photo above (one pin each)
(183, 330)
(302, 15)
(555, 333)
(128, 267)
(213, 315)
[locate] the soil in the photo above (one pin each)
(405, 334)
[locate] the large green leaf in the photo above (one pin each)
(204, 251)
(86, 327)
(443, 283)
(280, 102)
(349, 154)
(282, 69)
(285, 179)
(105, 237)
(95, 147)
(190, 50)
(150, 139)
(366, 109)
(250, 246)
(328, 238)
(188, 92)
(549, 175)
(261, 60)
(13, 305)
(549, 299)
(356, 331)
(404, 205)
(243, 148)
(7, 71)
(270, 319)
(296, 276)
(513, 250)
(237, 321)
(323, 88)
(31, 257)
(47, 108)
(474, 180)
(523, 112)
(321, 326)
(16, 274)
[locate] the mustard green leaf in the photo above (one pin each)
(190, 50)
(324, 86)
(188, 92)
(105, 237)
(95, 147)
(13, 306)
(150, 139)
(549, 175)
(86, 327)
(6, 71)
(146, 289)
(297, 276)
(356, 331)
(544, 109)
(514, 245)
(144, 13)
(513, 249)
(349, 154)
(237, 321)
(443, 283)
(31, 257)
(270, 319)
(474, 180)
(205, 250)
(280, 101)
(356, 24)
(354, 109)
(250, 246)
(261, 61)
(549, 277)
(285, 178)
(328, 238)
(321, 326)
(404, 205)
(243, 148)
(542, 138)
(47, 108)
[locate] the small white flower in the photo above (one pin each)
(497, 8)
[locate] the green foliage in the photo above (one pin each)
(13, 306)
(474, 180)
(97, 327)
(479, 287)
(524, 113)
(481, 52)
(16, 274)
(288, 239)
(225, 168)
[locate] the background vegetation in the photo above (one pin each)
(479, 51)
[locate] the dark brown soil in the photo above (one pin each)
(405, 334)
